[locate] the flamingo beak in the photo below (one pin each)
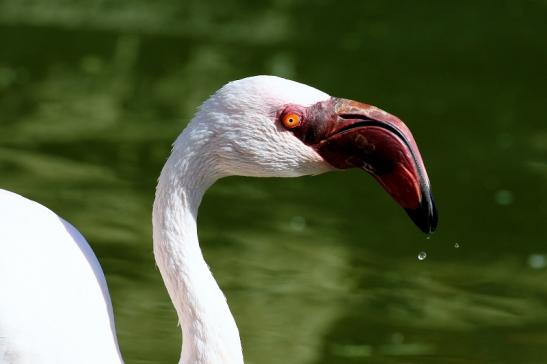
(350, 134)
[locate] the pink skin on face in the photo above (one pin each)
(350, 134)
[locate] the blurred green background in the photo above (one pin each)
(93, 92)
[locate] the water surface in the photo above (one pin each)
(92, 95)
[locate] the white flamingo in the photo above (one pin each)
(54, 302)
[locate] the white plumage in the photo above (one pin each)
(54, 302)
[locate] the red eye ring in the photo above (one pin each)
(291, 120)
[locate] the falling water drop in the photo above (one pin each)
(428, 237)
(504, 197)
(537, 261)
(422, 255)
(456, 245)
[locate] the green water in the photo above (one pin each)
(93, 93)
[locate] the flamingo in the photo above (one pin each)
(55, 306)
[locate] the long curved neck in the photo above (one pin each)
(210, 334)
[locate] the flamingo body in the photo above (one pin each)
(54, 301)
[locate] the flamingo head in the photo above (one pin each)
(270, 126)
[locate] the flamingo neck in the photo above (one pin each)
(209, 331)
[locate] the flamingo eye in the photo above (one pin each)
(291, 120)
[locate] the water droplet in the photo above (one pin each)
(537, 261)
(504, 197)
(456, 245)
(298, 223)
(422, 255)
(428, 237)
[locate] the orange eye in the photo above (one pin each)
(291, 120)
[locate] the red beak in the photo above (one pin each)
(350, 134)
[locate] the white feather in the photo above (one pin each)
(55, 306)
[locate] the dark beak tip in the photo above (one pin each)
(425, 216)
(362, 136)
